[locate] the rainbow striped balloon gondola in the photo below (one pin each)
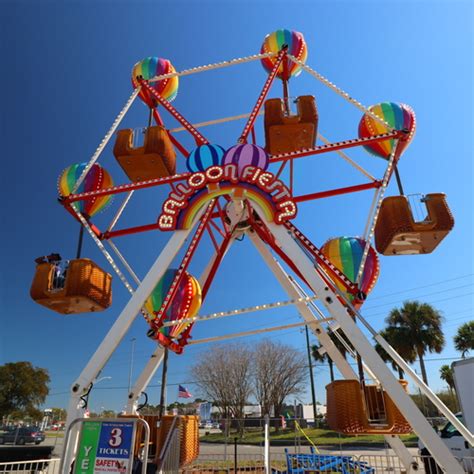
(345, 253)
(185, 304)
(151, 67)
(96, 179)
(398, 116)
(275, 41)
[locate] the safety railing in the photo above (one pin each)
(169, 458)
(227, 463)
(44, 466)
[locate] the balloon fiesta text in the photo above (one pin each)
(261, 187)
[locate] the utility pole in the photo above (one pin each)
(163, 384)
(131, 364)
(311, 378)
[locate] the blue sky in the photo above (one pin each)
(66, 76)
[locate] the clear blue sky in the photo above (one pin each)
(66, 74)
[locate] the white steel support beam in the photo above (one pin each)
(144, 379)
(402, 400)
(124, 321)
(326, 342)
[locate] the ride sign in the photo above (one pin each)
(105, 446)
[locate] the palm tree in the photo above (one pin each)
(406, 351)
(418, 326)
(447, 374)
(464, 339)
(318, 357)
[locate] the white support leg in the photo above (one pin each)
(341, 363)
(144, 379)
(405, 404)
(124, 321)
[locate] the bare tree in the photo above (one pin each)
(223, 376)
(280, 371)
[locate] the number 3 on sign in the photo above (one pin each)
(115, 437)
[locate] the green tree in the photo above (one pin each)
(447, 374)
(58, 414)
(464, 338)
(22, 388)
(404, 349)
(416, 325)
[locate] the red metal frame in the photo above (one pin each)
(337, 146)
(200, 140)
(67, 200)
(123, 188)
(157, 323)
(174, 141)
(261, 97)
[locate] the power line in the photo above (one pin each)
(426, 294)
(423, 286)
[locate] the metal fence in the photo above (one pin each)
(373, 464)
(45, 466)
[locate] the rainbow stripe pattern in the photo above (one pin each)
(398, 116)
(345, 253)
(241, 190)
(151, 67)
(185, 304)
(96, 179)
(296, 47)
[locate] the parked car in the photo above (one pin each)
(21, 435)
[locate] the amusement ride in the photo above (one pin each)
(248, 189)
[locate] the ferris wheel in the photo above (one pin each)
(249, 189)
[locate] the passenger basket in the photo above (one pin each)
(349, 410)
(189, 437)
(397, 233)
(155, 159)
(286, 134)
(80, 287)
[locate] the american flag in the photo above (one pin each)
(183, 393)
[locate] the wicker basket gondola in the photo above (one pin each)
(286, 134)
(86, 287)
(397, 233)
(189, 437)
(155, 159)
(349, 413)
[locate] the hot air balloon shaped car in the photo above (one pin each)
(184, 305)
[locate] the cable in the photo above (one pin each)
(423, 286)
(426, 294)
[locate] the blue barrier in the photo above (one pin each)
(318, 463)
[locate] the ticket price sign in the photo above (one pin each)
(105, 447)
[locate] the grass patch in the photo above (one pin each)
(317, 435)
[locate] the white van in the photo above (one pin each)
(464, 383)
